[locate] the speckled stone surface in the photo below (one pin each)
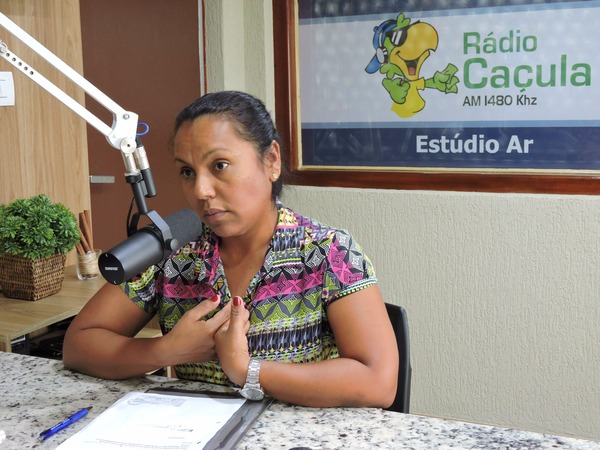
(36, 393)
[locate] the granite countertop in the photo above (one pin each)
(35, 393)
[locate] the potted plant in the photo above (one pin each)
(35, 236)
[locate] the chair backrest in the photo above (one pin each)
(399, 320)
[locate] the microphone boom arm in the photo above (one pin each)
(121, 135)
(151, 244)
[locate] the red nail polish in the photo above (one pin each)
(215, 298)
(237, 301)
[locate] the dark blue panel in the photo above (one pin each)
(553, 148)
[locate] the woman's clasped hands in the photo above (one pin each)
(221, 337)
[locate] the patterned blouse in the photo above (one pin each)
(307, 267)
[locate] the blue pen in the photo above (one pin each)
(64, 424)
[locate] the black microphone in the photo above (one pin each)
(149, 246)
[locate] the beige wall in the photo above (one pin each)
(239, 47)
(502, 296)
(501, 289)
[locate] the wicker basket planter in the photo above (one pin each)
(31, 279)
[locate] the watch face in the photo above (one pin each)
(252, 393)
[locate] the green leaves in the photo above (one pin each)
(37, 228)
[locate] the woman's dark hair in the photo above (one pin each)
(249, 117)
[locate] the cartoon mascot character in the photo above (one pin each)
(401, 48)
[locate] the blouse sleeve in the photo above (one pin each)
(348, 269)
(142, 290)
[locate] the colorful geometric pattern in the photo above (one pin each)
(307, 267)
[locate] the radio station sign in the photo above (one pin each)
(506, 88)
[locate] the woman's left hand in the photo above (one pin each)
(232, 344)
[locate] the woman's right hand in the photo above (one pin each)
(192, 337)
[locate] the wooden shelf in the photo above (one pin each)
(21, 317)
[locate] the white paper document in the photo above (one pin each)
(156, 421)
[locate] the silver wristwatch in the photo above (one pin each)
(252, 389)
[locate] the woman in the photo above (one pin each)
(262, 286)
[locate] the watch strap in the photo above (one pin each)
(253, 375)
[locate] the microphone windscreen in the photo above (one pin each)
(185, 226)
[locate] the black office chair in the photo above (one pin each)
(399, 320)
